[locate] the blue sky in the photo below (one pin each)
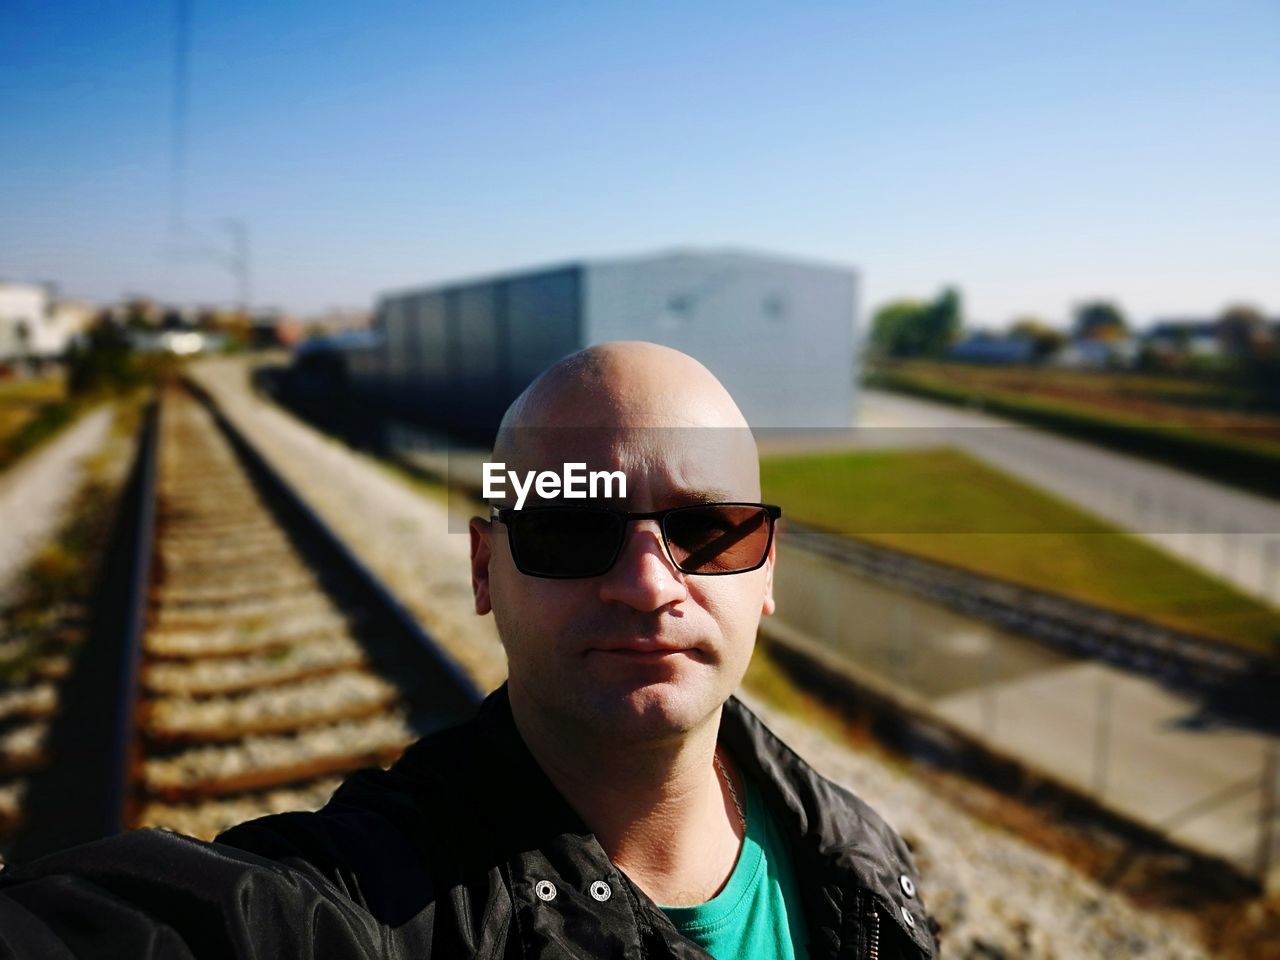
(1034, 154)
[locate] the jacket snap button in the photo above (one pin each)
(545, 889)
(600, 890)
(908, 885)
(910, 920)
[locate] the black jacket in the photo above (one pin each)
(462, 849)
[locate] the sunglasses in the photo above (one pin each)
(707, 539)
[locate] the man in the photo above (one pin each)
(611, 800)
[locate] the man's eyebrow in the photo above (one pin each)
(705, 496)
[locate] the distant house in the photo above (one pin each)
(33, 325)
(1184, 338)
(1085, 354)
(985, 347)
(23, 307)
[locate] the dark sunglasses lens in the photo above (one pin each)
(564, 543)
(718, 538)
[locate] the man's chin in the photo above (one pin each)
(645, 710)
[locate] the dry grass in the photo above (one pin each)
(22, 402)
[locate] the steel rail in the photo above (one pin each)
(440, 680)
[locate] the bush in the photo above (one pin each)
(104, 361)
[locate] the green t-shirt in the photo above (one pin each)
(759, 914)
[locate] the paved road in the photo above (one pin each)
(909, 642)
(1126, 742)
(1226, 532)
(1102, 731)
(34, 492)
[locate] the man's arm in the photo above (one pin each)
(150, 895)
(353, 850)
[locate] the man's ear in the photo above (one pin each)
(769, 604)
(481, 553)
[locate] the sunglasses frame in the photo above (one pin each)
(504, 514)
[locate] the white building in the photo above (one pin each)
(23, 309)
(34, 326)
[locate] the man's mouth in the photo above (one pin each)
(642, 652)
(649, 652)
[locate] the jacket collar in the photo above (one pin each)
(842, 847)
(831, 828)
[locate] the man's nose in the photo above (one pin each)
(643, 577)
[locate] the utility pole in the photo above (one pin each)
(238, 261)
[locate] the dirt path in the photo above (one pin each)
(35, 491)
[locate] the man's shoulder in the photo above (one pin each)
(382, 831)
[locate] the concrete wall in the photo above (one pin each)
(779, 334)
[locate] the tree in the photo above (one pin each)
(1242, 330)
(894, 328)
(1100, 320)
(100, 359)
(1045, 340)
(943, 321)
(1254, 360)
(910, 328)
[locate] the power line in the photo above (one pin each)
(178, 145)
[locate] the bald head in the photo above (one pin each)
(622, 391)
(626, 383)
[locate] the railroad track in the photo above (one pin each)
(246, 660)
(268, 668)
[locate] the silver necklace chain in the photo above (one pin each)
(733, 794)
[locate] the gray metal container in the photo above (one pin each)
(779, 333)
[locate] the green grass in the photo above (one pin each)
(946, 506)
